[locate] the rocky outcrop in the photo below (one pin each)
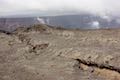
(46, 53)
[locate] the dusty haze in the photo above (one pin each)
(58, 7)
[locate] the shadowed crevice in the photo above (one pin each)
(100, 66)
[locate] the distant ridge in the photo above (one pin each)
(82, 21)
(10, 24)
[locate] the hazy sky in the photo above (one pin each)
(53, 7)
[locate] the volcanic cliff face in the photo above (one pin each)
(81, 21)
(10, 24)
(47, 53)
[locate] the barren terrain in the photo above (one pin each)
(46, 53)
